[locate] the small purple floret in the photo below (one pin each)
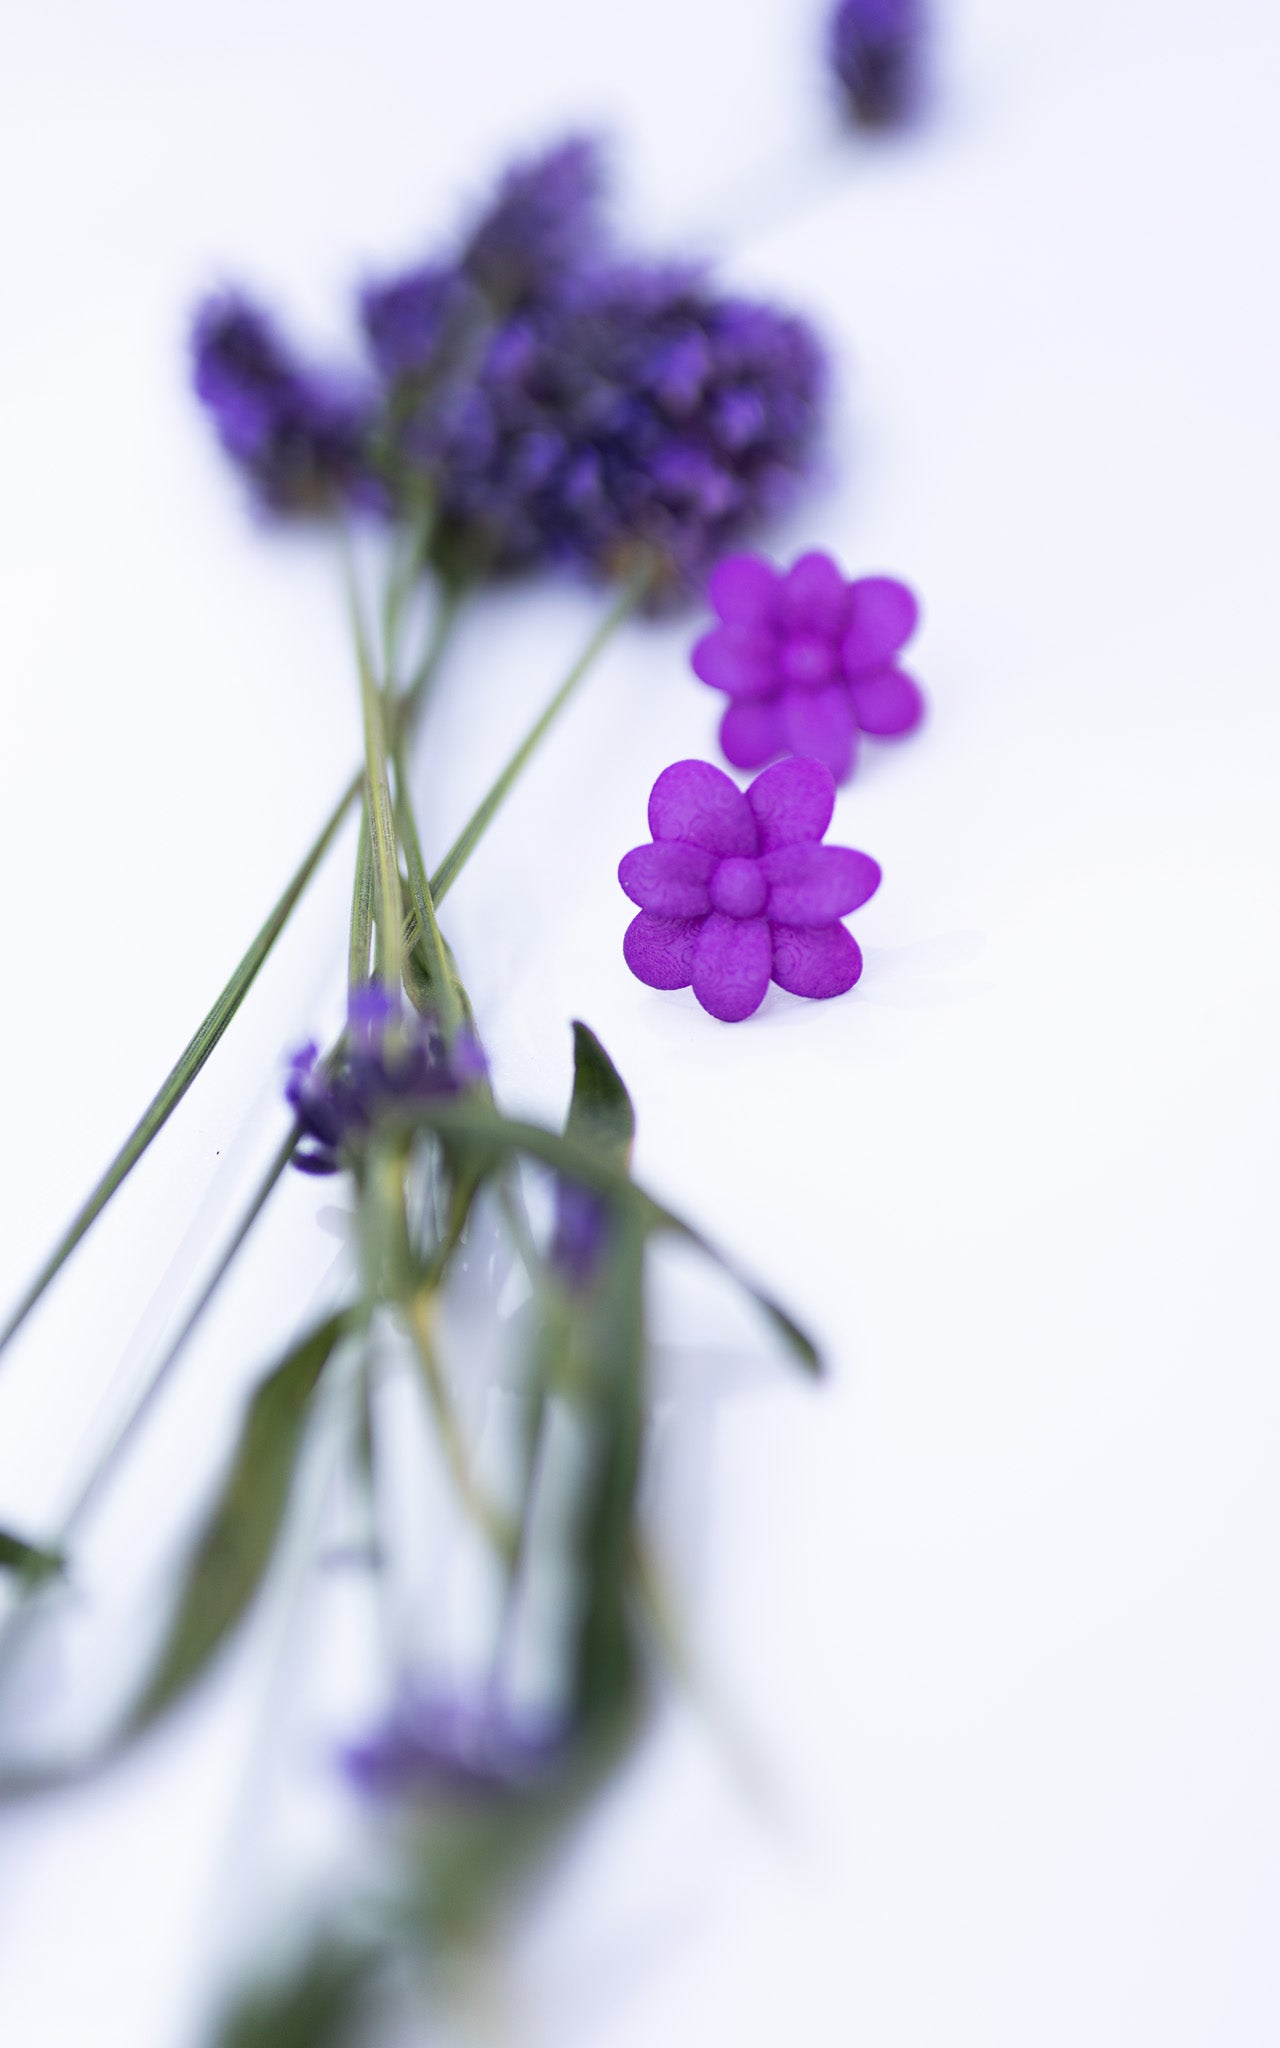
(442, 1746)
(300, 435)
(807, 659)
(738, 889)
(581, 1230)
(876, 56)
(388, 1063)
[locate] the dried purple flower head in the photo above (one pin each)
(641, 411)
(542, 227)
(876, 57)
(300, 435)
(388, 1062)
(737, 889)
(807, 659)
(436, 1745)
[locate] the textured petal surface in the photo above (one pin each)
(886, 702)
(735, 659)
(659, 950)
(732, 962)
(815, 598)
(817, 884)
(744, 590)
(820, 723)
(696, 801)
(815, 961)
(752, 733)
(791, 801)
(669, 878)
(882, 618)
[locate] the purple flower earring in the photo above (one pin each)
(737, 889)
(807, 659)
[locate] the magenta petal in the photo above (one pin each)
(744, 590)
(669, 878)
(882, 618)
(752, 733)
(696, 801)
(815, 598)
(732, 962)
(816, 884)
(820, 723)
(659, 950)
(735, 659)
(821, 961)
(791, 801)
(886, 702)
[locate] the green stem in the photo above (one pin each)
(361, 910)
(473, 831)
(448, 999)
(389, 908)
(192, 1059)
(211, 1028)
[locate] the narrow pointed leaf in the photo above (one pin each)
(29, 1562)
(235, 1547)
(600, 1111)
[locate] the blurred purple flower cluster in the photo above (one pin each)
(552, 401)
(388, 1061)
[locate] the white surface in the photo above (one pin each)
(1000, 1603)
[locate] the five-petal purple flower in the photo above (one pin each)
(737, 889)
(807, 659)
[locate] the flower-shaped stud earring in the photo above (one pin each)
(738, 889)
(807, 660)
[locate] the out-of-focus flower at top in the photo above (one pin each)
(807, 659)
(738, 889)
(877, 56)
(388, 1061)
(642, 411)
(442, 1746)
(300, 435)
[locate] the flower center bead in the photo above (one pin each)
(738, 888)
(807, 662)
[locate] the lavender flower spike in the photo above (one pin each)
(737, 889)
(298, 434)
(447, 1747)
(875, 54)
(386, 1065)
(807, 659)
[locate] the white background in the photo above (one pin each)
(998, 1605)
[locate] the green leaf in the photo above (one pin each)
(600, 1111)
(235, 1547)
(490, 1138)
(29, 1562)
(323, 2004)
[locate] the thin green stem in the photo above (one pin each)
(482, 817)
(361, 910)
(189, 1064)
(389, 908)
(441, 970)
(212, 1026)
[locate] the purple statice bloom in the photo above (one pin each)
(876, 56)
(640, 411)
(388, 1062)
(437, 1745)
(581, 1230)
(300, 435)
(737, 889)
(807, 659)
